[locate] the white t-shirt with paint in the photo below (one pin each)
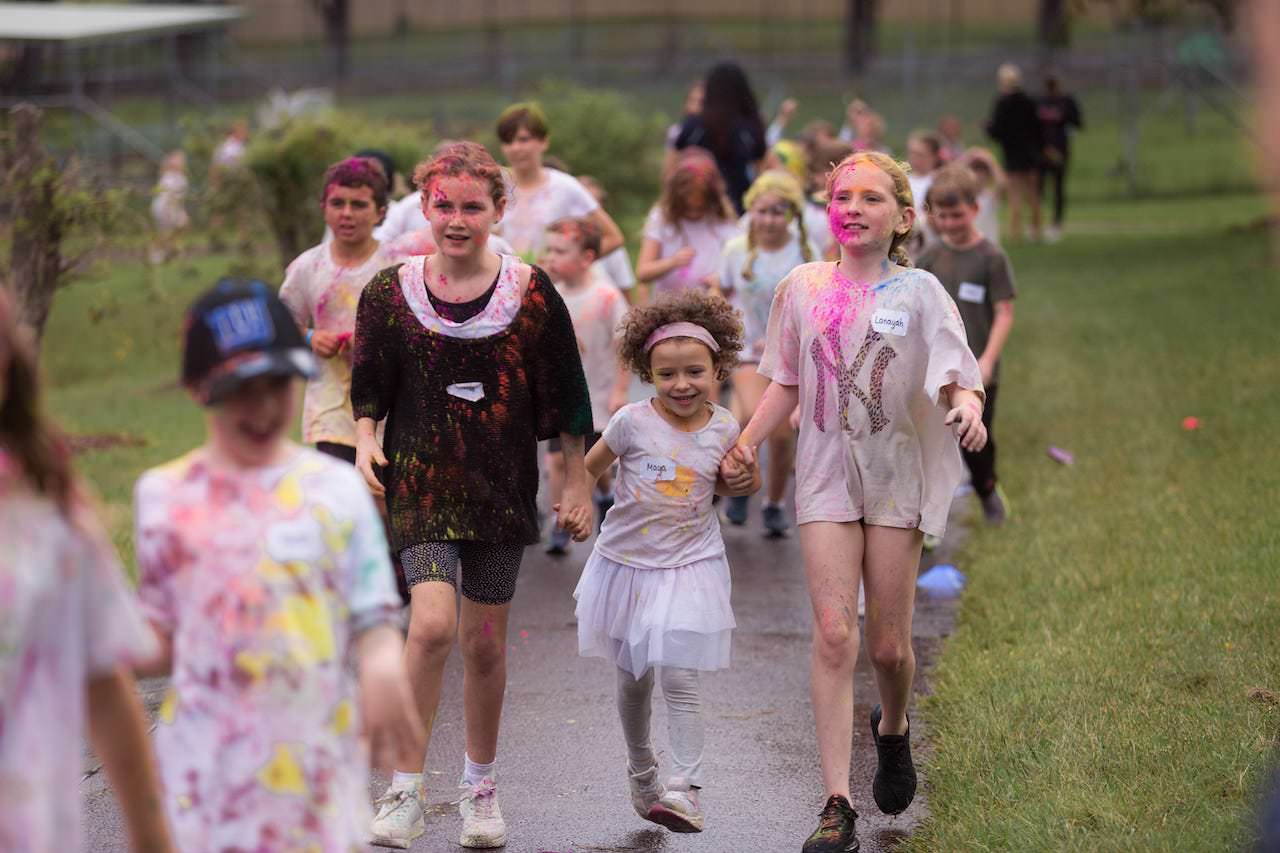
(529, 212)
(662, 516)
(597, 309)
(706, 236)
(754, 296)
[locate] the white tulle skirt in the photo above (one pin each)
(640, 618)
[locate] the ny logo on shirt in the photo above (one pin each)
(846, 378)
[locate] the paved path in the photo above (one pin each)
(563, 783)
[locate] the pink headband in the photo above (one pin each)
(681, 330)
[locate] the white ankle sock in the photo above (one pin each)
(406, 781)
(473, 773)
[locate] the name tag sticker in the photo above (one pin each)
(657, 469)
(290, 541)
(470, 391)
(970, 292)
(888, 322)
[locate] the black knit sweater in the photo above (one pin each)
(464, 470)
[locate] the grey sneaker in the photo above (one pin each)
(736, 512)
(775, 521)
(559, 544)
(399, 819)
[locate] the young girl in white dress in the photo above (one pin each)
(655, 592)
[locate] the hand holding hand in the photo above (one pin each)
(970, 431)
(738, 468)
(573, 513)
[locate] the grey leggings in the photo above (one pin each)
(684, 719)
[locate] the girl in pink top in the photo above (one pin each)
(874, 353)
(687, 229)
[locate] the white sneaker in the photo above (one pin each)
(399, 819)
(678, 811)
(1053, 234)
(482, 823)
(646, 790)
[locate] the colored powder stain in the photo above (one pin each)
(1190, 423)
(488, 629)
(342, 717)
(524, 635)
(282, 775)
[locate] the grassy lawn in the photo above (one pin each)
(1097, 693)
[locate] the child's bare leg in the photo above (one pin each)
(781, 460)
(484, 675)
(433, 623)
(890, 566)
(833, 562)
(1016, 192)
(555, 475)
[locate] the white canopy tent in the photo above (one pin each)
(72, 28)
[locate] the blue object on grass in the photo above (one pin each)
(943, 580)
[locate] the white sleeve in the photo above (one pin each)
(578, 201)
(115, 632)
(293, 293)
(618, 433)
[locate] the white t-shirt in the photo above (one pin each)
(402, 217)
(871, 362)
(597, 309)
(754, 296)
(65, 617)
(322, 295)
(922, 235)
(264, 578)
(705, 236)
(229, 153)
(662, 516)
(616, 267)
(529, 212)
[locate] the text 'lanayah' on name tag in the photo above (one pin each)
(888, 322)
(659, 469)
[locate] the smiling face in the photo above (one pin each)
(461, 212)
(863, 213)
(525, 150)
(955, 222)
(683, 374)
(770, 216)
(250, 426)
(351, 213)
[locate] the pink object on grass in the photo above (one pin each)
(1057, 454)
(1189, 423)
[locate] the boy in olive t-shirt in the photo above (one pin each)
(977, 274)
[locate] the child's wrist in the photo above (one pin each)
(310, 333)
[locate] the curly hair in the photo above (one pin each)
(710, 312)
(463, 158)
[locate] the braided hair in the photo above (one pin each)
(782, 184)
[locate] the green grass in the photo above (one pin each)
(1096, 693)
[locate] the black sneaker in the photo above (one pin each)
(836, 832)
(736, 512)
(559, 544)
(894, 785)
(775, 521)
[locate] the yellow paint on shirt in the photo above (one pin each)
(282, 775)
(289, 493)
(306, 621)
(681, 486)
(253, 663)
(169, 707)
(337, 533)
(342, 717)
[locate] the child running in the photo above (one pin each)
(655, 591)
(597, 309)
(979, 278)
(264, 569)
(69, 632)
(169, 207)
(472, 359)
(322, 289)
(776, 242)
(687, 229)
(875, 354)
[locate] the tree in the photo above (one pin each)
(1052, 26)
(860, 34)
(49, 206)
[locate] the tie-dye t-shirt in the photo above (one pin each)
(65, 617)
(871, 362)
(323, 295)
(263, 577)
(662, 515)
